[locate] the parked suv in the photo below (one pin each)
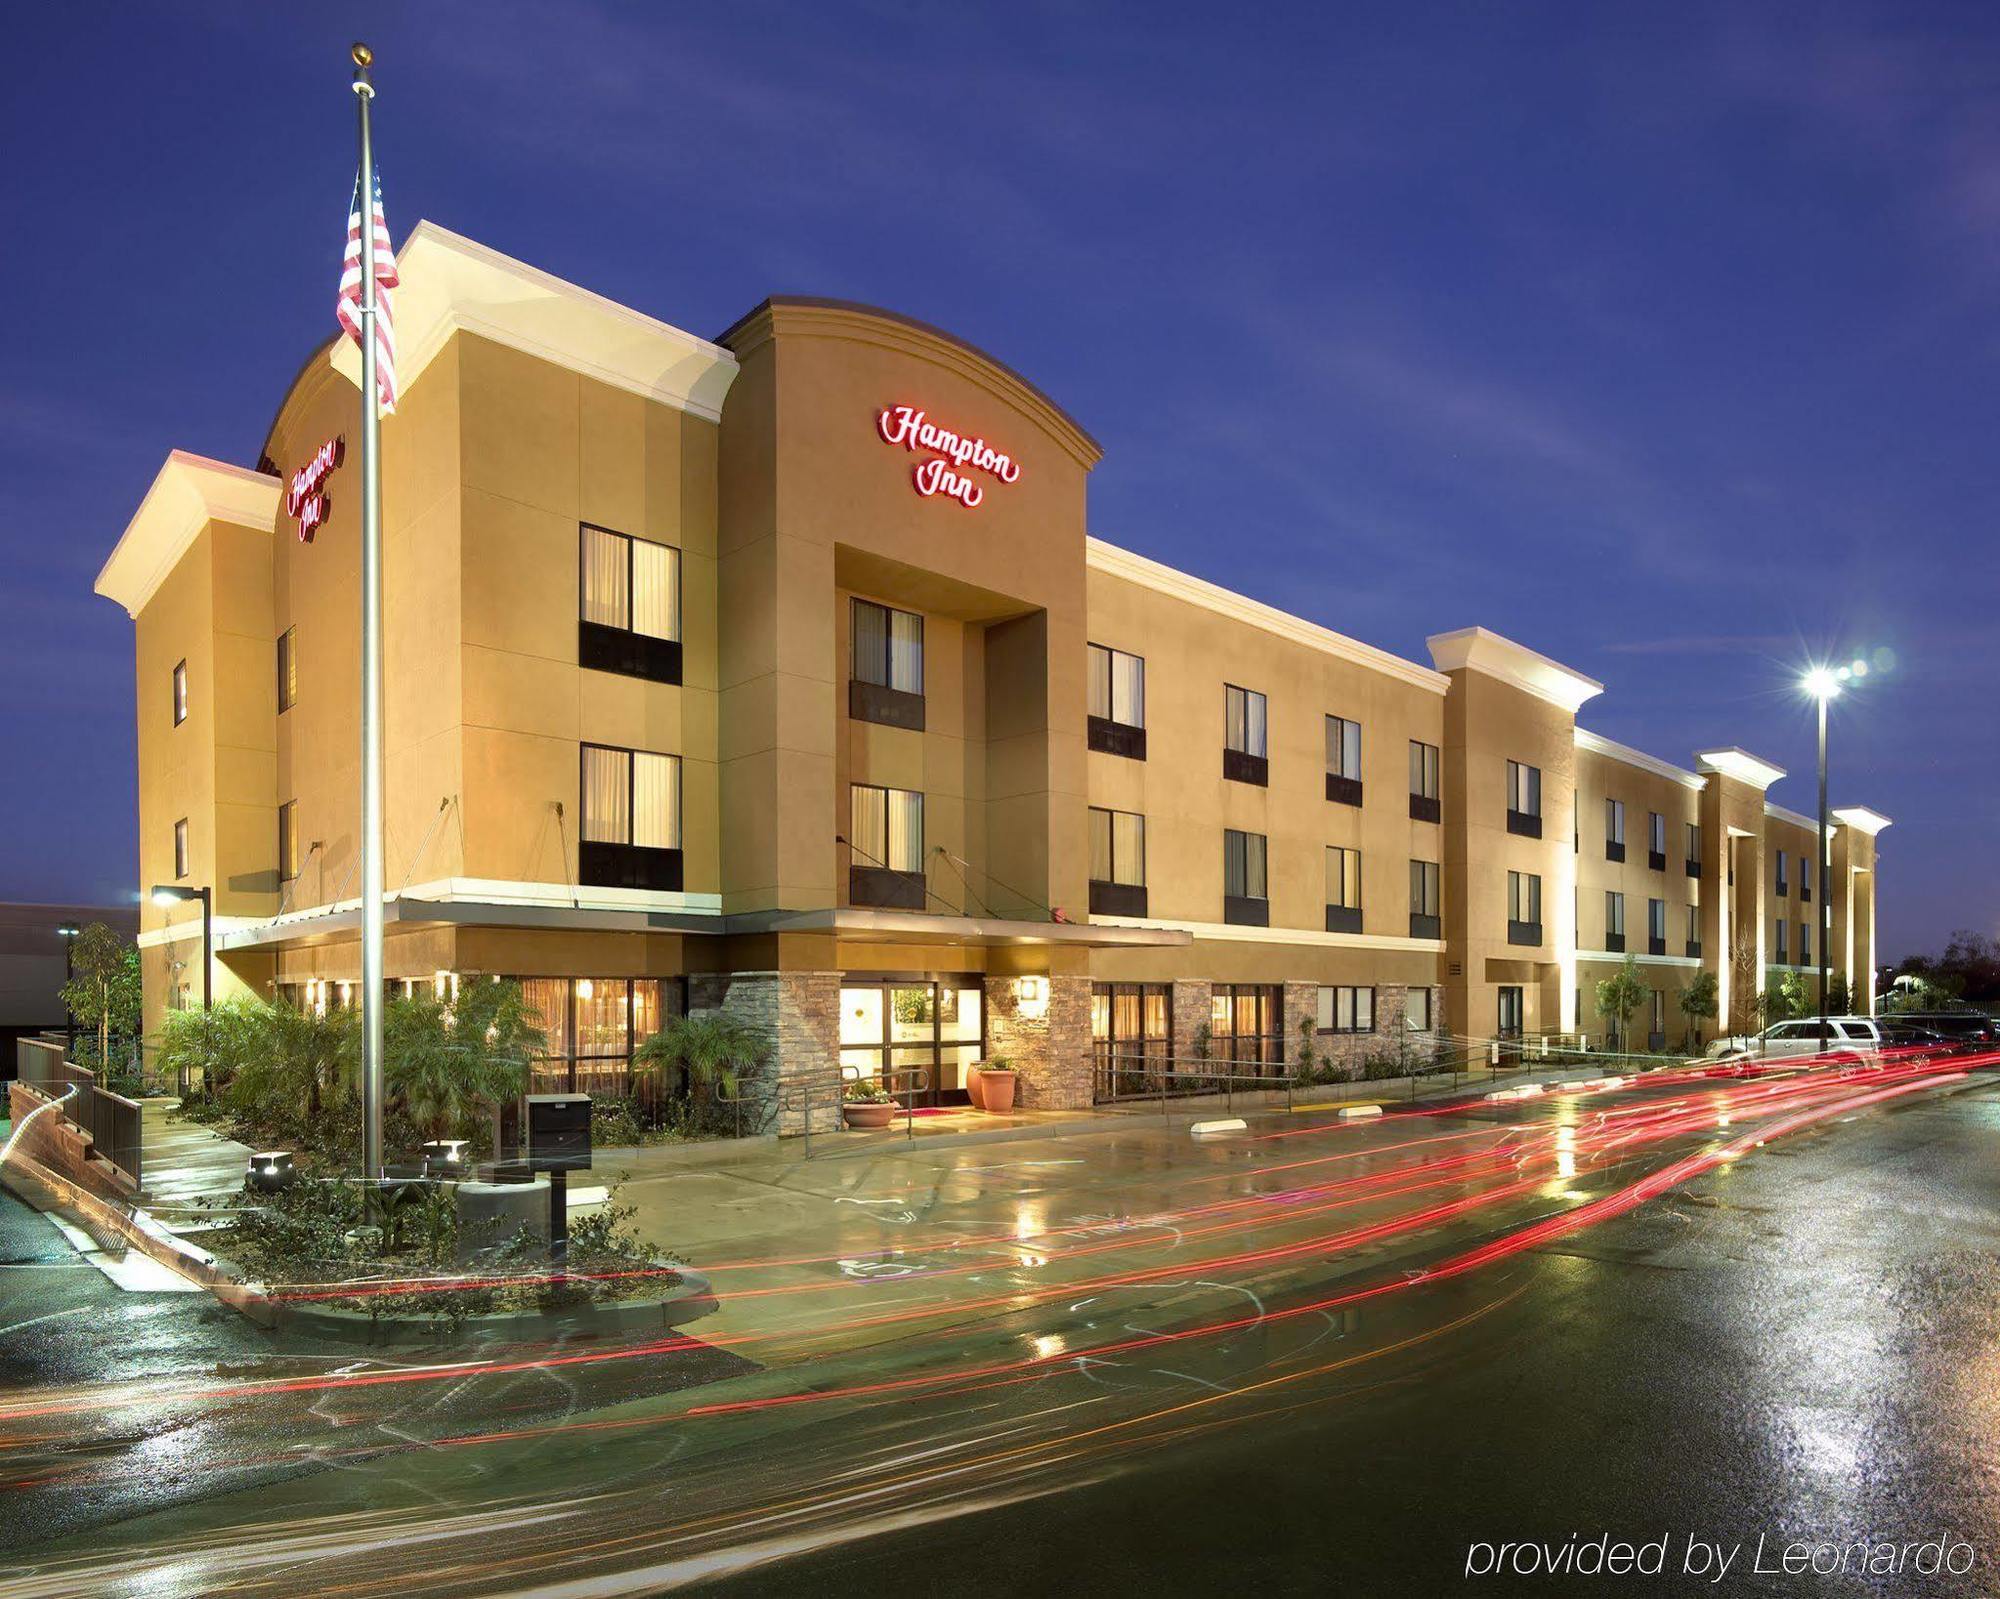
(1966, 1029)
(1846, 1035)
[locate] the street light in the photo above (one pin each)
(69, 933)
(167, 896)
(1823, 683)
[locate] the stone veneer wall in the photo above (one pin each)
(798, 1014)
(1191, 1009)
(1353, 1049)
(1051, 1052)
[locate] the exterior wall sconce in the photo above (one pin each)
(1031, 996)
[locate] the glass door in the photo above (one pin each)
(891, 1028)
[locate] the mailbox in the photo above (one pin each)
(555, 1132)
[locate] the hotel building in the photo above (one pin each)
(780, 674)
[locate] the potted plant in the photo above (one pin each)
(866, 1103)
(994, 1080)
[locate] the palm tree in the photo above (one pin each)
(443, 1061)
(714, 1048)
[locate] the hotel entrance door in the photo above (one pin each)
(896, 1024)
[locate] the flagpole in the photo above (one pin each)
(371, 655)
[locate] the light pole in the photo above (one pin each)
(1823, 683)
(168, 895)
(69, 932)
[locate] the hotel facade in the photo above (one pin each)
(779, 674)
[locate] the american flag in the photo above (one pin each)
(348, 306)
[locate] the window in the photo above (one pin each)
(1343, 748)
(1343, 889)
(1656, 841)
(1244, 749)
(1524, 799)
(888, 828)
(888, 647)
(1782, 959)
(1524, 908)
(629, 606)
(288, 841)
(1117, 863)
(1614, 822)
(1658, 1029)
(288, 669)
(1656, 926)
(592, 1025)
(631, 831)
(181, 848)
(1694, 849)
(1694, 932)
(1423, 782)
(1417, 1010)
(1805, 943)
(1246, 1023)
(1782, 890)
(1117, 686)
(1130, 1034)
(1346, 1010)
(1513, 1012)
(1614, 921)
(1244, 887)
(180, 692)
(1424, 913)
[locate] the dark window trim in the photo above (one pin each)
(1615, 943)
(1425, 808)
(1656, 946)
(1422, 926)
(1524, 932)
(1613, 851)
(1117, 738)
(1343, 790)
(1238, 766)
(1694, 949)
(880, 888)
(886, 707)
(1343, 918)
(1117, 899)
(1656, 860)
(1694, 868)
(1242, 911)
(1522, 825)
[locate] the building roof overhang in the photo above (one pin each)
(1597, 744)
(1861, 819)
(452, 284)
(1480, 649)
(1740, 764)
(189, 492)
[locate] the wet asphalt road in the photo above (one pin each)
(1804, 1347)
(1800, 1345)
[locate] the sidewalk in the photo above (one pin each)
(182, 1160)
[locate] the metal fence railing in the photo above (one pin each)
(113, 1122)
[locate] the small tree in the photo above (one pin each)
(1783, 998)
(1698, 1003)
(1839, 997)
(1308, 1062)
(714, 1048)
(1621, 994)
(441, 1062)
(104, 988)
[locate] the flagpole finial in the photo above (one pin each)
(364, 58)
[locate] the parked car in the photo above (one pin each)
(1847, 1036)
(1969, 1029)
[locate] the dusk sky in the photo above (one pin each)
(1661, 339)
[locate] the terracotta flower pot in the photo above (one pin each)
(996, 1090)
(869, 1113)
(973, 1091)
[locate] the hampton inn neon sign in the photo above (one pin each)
(947, 455)
(306, 496)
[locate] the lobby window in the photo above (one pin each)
(1117, 863)
(1614, 921)
(1424, 805)
(1783, 959)
(1245, 892)
(1782, 888)
(181, 848)
(1130, 1035)
(1244, 747)
(1343, 761)
(1524, 908)
(1524, 799)
(1417, 1010)
(630, 620)
(1425, 917)
(592, 1025)
(1614, 830)
(1346, 1010)
(1656, 927)
(1656, 841)
(885, 847)
(1117, 702)
(885, 679)
(631, 832)
(288, 841)
(1343, 889)
(1246, 1024)
(180, 692)
(288, 669)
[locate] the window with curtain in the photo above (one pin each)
(1343, 877)
(1524, 788)
(1117, 847)
(1244, 729)
(1524, 897)
(288, 841)
(1656, 833)
(1117, 686)
(1694, 841)
(886, 827)
(1614, 821)
(1417, 1010)
(180, 692)
(1614, 914)
(888, 647)
(181, 848)
(1424, 888)
(1343, 747)
(631, 797)
(1423, 770)
(631, 584)
(1346, 1010)
(288, 669)
(1656, 919)
(1243, 865)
